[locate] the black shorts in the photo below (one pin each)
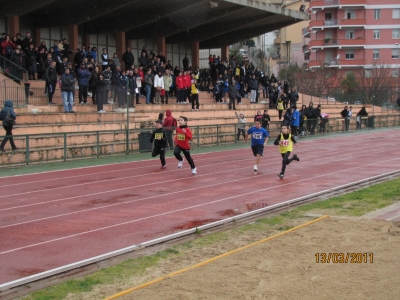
(258, 149)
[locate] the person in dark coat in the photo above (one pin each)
(51, 80)
(101, 92)
(83, 75)
(67, 81)
(8, 109)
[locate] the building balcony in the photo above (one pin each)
(277, 41)
(305, 49)
(306, 32)
(316, 44)
(337, 43)
(352, 43)
(351, 62)
(334, 63)
(353, 23)
(337, 3)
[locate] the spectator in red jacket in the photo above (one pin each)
(8, 47)
(180, 88)
(169, 127)
(188, 83)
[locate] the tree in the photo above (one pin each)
(316, 82)
(249, 43)
(349, 84)
(287, 72)
(375, 83)
(234, 51)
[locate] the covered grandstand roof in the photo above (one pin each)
(212, 23)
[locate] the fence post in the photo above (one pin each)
(234, 133)
(217, 134)
(127, 139)
(198, 136)
(27, 153)
(65, 146)
(98, 144)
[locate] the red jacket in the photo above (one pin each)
(179, 81)
(182, 138)
(188, 81)
(168, 121)
(4, 45)
(141, 73)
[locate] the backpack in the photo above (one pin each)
(9, 50)
(9, 119)
(174, 123)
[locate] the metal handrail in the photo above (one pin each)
(12, 70)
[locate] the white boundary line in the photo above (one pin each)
(181, 209)
(19, 282)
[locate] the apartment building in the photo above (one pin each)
(349, 34)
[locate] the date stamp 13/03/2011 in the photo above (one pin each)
(344, 258)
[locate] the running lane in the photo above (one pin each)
(48, 220)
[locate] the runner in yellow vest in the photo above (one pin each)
(285, 142)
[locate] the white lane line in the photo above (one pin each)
(128, 177)
(349, 155)
(187, 208)
(165, 194)
(134, 162)
(105, 172)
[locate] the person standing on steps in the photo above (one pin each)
(8, 110)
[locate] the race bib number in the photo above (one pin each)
(180, 137)
(158, 136)
(285, 143)
(257, 135)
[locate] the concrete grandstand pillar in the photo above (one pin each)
(121, 46)
(13, 25)
(86, 41)
(225, 52)
(162, 46)
(73, 40)
(195, 55)
(36, 36)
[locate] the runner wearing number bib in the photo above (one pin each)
(259, 139)
(285, 142)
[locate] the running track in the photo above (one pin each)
(52, 219)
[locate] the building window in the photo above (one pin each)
(396, 13)
(395, 53)
(376, 54)
(350, 14)
(377, 34)
(395, 73)
(368, 73)
(396, 34)
(349, 34)
(377, 14)
(350, 54)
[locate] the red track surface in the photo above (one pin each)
(51, 219)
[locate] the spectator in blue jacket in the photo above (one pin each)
(8, 109)
(295, 121)
(83, 75)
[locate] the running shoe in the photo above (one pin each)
(295, 157)
(180, 163)
(255, 168)
(194, 171)
(280, 175)
(164, 167)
